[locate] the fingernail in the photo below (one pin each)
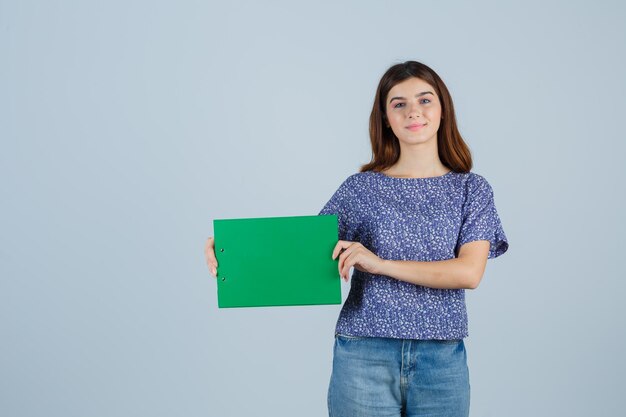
(213, 271)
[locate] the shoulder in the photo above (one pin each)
(474, 178)
(349, 188)
(476, 182)
(357, 180)
(477, 189)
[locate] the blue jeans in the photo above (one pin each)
(377, 377)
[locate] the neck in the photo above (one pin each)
(419, 160)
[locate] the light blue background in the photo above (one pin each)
(128, 126)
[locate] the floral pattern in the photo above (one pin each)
(422, 219)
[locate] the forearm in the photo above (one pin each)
(452, 273)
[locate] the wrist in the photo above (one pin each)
(382, 267)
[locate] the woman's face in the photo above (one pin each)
(413, 111)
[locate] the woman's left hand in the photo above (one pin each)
(357, 255)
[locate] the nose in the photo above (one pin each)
(414, 110)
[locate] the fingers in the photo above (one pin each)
(342, 263)
(349, 257)
(342, 244)
(209, 252)
(348, 262)
(345, 260)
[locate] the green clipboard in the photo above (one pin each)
(277, 261)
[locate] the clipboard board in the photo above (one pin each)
(277, 261)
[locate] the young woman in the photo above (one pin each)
(417, 227)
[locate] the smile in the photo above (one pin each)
(415, 127)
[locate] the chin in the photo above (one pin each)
(416, 140)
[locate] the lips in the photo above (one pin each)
(415, 126)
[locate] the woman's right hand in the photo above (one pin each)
(209, 253)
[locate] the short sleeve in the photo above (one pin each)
(480, 218)
(340, 204)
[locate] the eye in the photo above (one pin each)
(396, 106)
(426, 99)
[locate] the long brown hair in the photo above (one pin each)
(453, 151)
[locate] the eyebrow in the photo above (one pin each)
(416, 95)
